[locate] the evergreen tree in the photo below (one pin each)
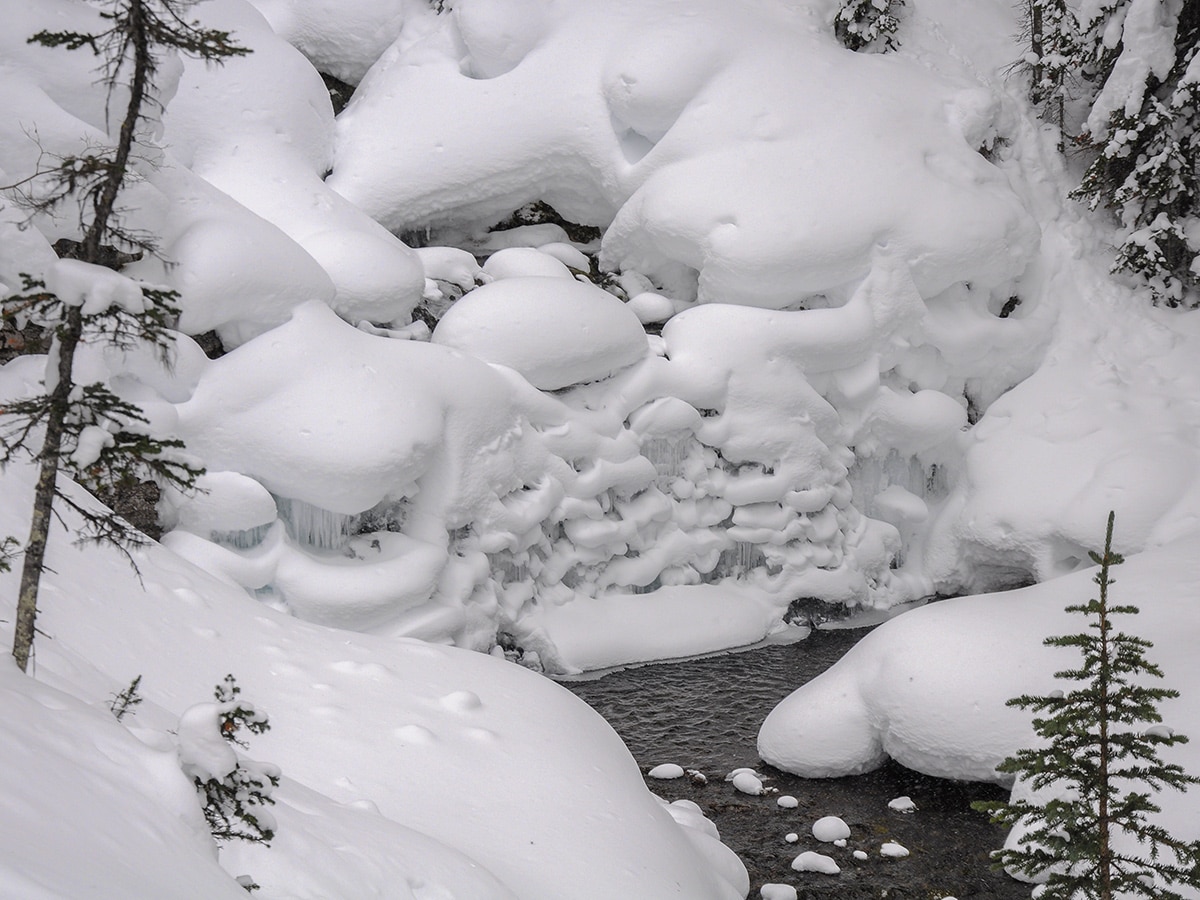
(234, 791)
(1101, 760)
(87, 430)
(1143, 127)
(1053, 35)
(868, 24)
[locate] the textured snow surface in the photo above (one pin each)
(639, 106)
(86, 790)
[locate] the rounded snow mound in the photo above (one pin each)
(554, 332)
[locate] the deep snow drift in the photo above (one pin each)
(883, 359)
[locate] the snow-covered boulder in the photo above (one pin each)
(555, 331)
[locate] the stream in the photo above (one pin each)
(704, 714)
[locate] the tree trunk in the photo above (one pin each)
(43, 497)
(1102, 815)
(67, 340)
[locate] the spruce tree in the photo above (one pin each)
(1053, 35)
(1100, 763)
(88, 430)
(1143, 130)
(868, 24)
(234, 791)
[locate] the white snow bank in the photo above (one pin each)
(259, 128)
(343, 420)
(342, 39)
(480, 755)
(323, 849)
(554, 331)
(928, 688)
(702, 135)
(93, 812)
(673, 621)
(1106, 423)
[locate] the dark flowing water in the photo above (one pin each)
(704, 714)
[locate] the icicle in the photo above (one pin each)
(667, 454)
(872, 475)
(737, 562)
(243, 539)
(313, 526)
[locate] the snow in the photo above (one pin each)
(1147, 49)
(555, 331)
(468, 731)
(928, 688)
(811, 861)
(635, 107)
(886, 361)
(666, 771)
(892, 850)
(778, 892)
(203, 751)
(83, 788)
(787, 802)
(829, 829)
(605, 497)
(748, 783)
(903, 804)
(93, 288)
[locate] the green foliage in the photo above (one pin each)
(1099, 763)
(236, 715)
(105, 439)
(868, 24)
(1053, 35)
(235, 805)
(1147, 151)
(8, 549)
(123, 703)
(90, 430)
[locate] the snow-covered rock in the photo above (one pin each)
(666, 771)
(829, 829)
(811, 861)
(555, 331)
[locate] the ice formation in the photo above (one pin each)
(582, 473)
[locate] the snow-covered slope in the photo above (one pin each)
(883, 359)
(442, 770)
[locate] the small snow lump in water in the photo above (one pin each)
(830, 829)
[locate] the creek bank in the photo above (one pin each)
(704, 714)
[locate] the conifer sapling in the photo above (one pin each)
(1099, 767)
(234, 791)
